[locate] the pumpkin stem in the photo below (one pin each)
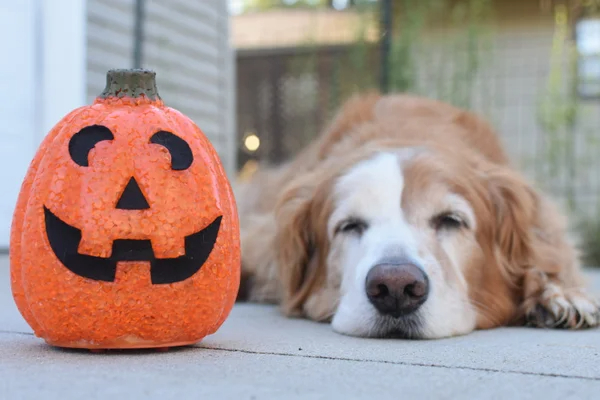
(132, 83)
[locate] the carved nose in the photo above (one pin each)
(397, 289)
(132, 197)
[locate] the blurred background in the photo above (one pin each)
(262, 77)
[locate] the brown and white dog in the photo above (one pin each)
(406, 219)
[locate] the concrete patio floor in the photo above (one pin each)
(257, 354)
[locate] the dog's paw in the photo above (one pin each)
(563, 308)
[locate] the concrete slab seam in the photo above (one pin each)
(414, 364)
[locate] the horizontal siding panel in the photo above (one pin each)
(220, 147)
(168, 36)
(125, 6)
(116, 18)
(97, 76)
(199, 84)
(179, 89)
(187, 44)
(196, 109)
(109, 39)
(218, 143)
(186, 62)
(189, 24)
(90, 96)
(106, 60)
(110, 44)
(101, 66)
(207, 9)
(96, 81)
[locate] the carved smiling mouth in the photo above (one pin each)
(64, 240)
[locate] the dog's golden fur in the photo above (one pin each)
(524, 271)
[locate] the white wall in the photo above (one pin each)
(63, 50)
(18, 111)
(42, 76)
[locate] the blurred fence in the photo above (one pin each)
(521, 64)
(288, 95)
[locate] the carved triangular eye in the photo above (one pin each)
(83, 141)
(181, 154)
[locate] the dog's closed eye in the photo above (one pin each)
(448, 220)
(352, 225)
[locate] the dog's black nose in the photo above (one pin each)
(397, 289)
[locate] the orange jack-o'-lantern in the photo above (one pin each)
(125, 233)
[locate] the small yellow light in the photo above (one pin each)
(252, 142)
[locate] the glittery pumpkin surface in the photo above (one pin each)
(72, 311)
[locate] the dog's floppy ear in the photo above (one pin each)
(301, 243)
(514, 205)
